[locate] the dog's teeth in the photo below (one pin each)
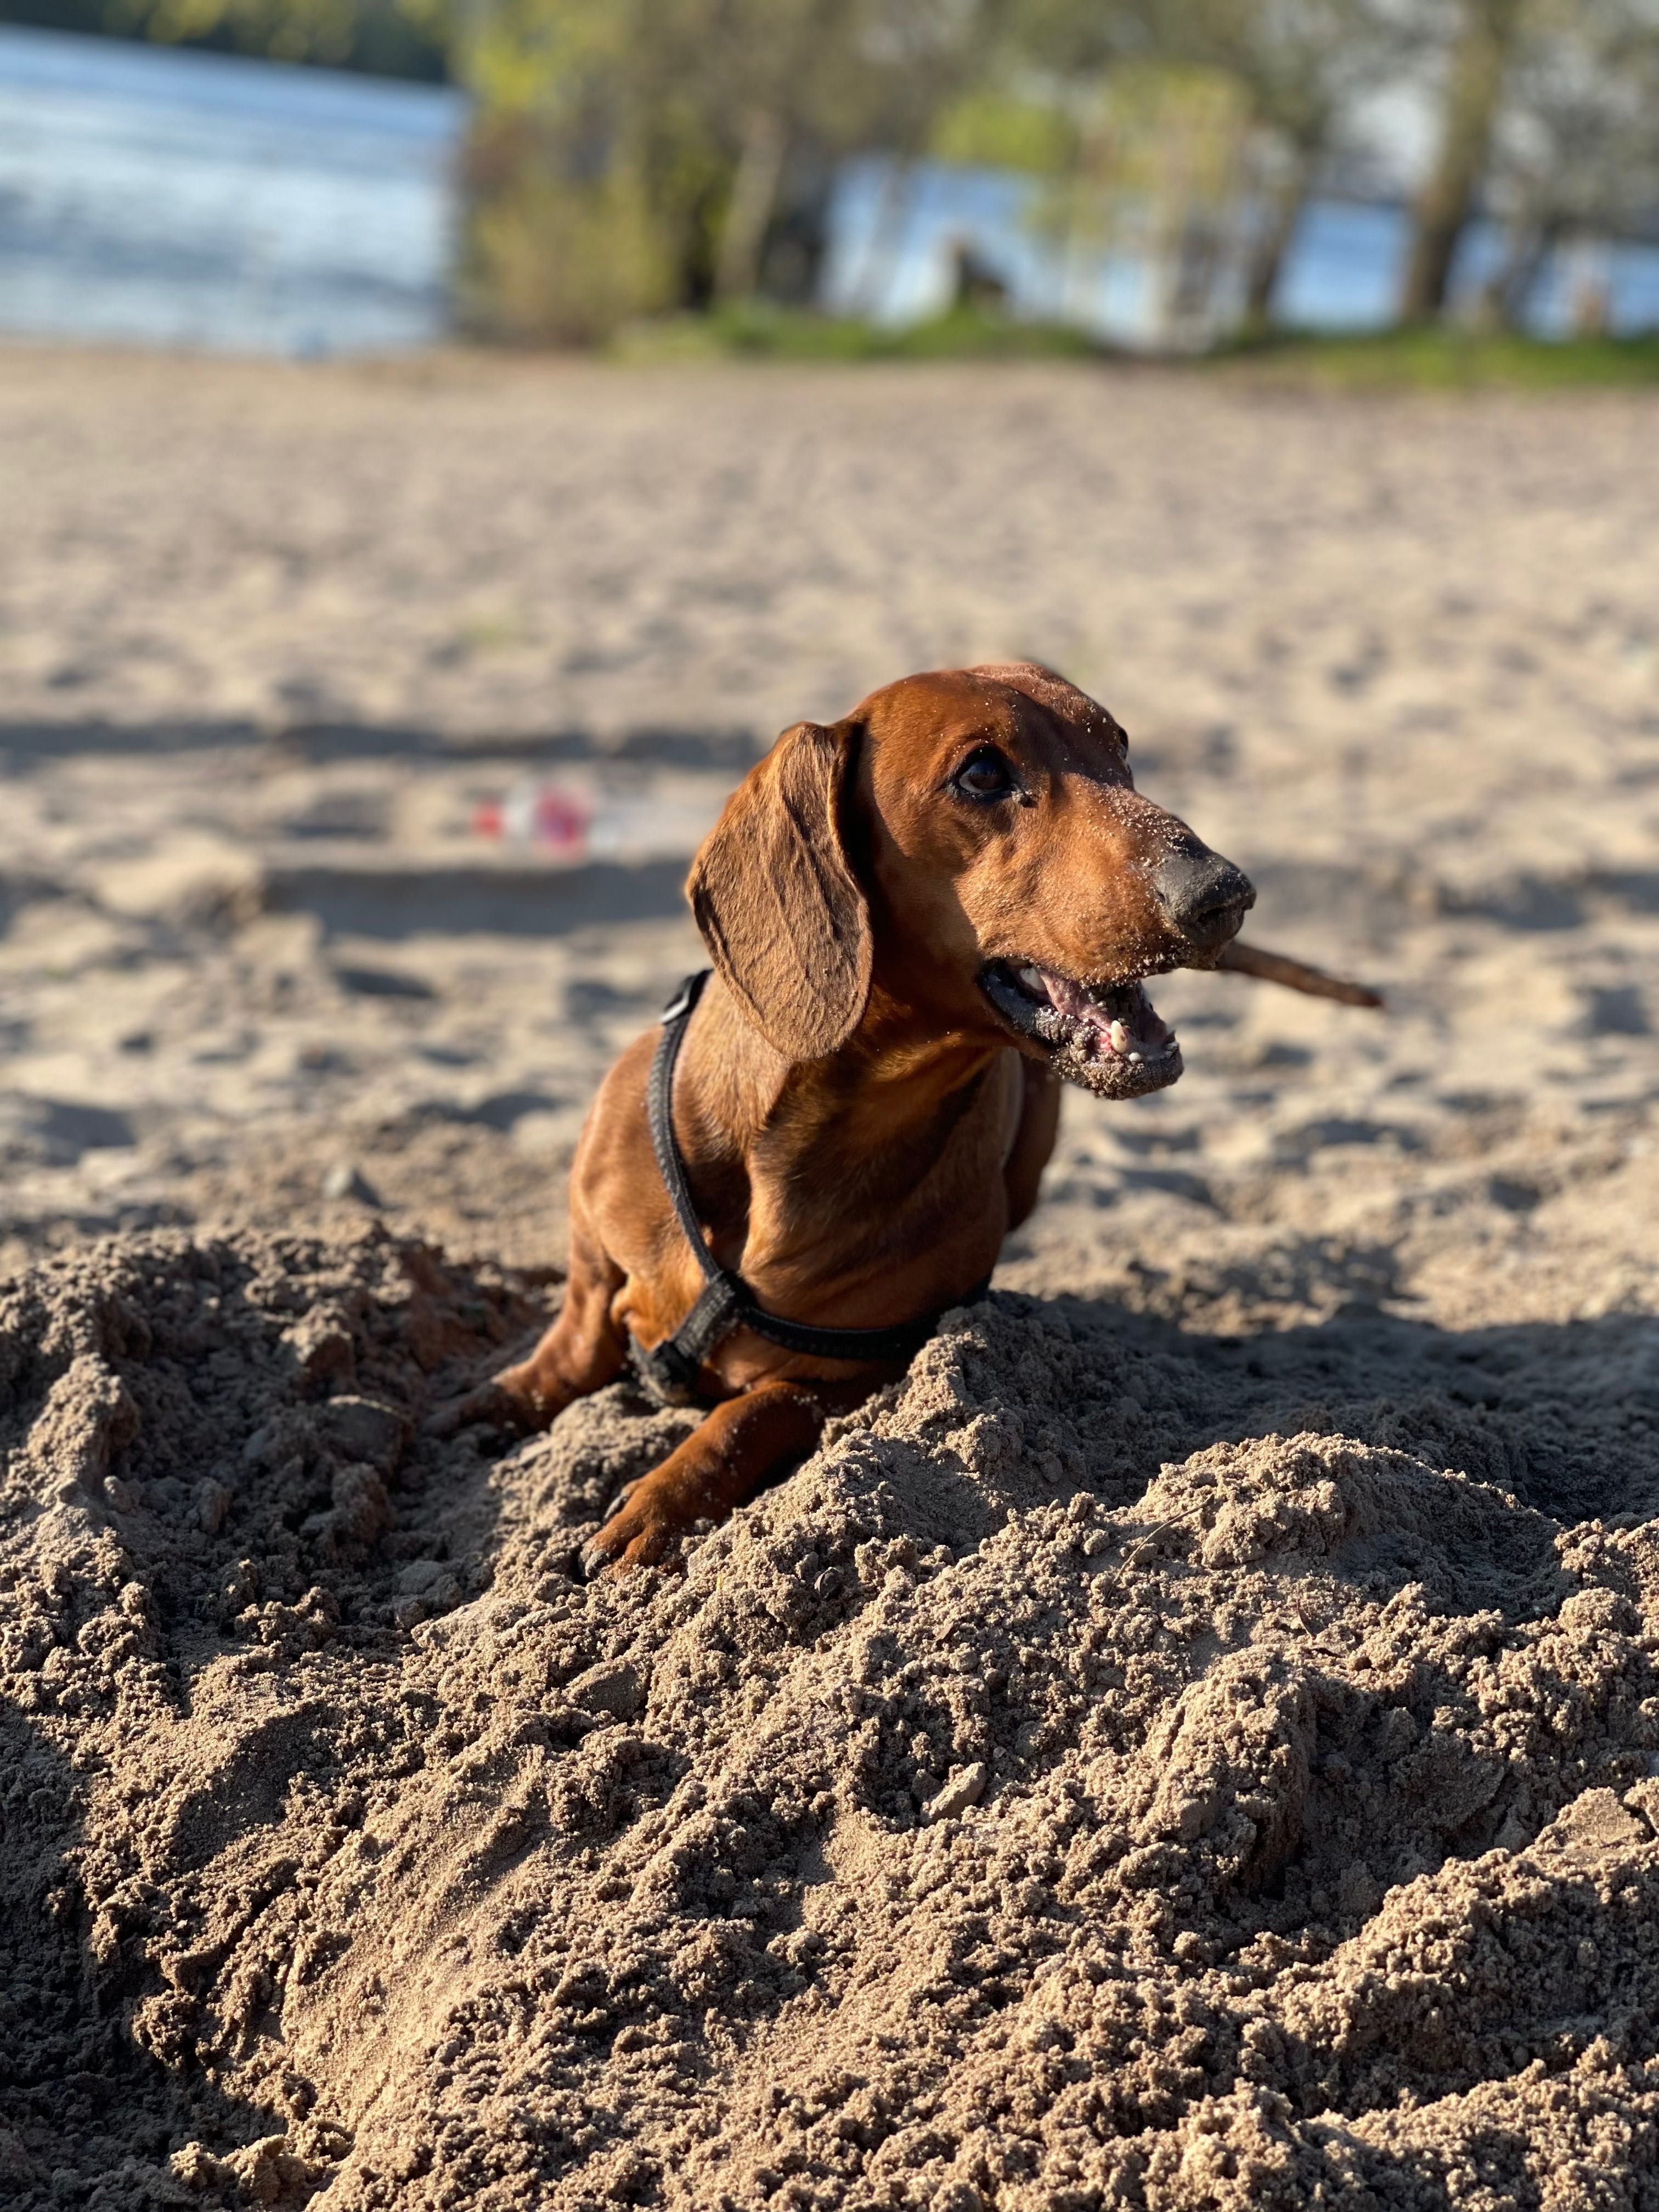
(1120, 1037)
(1134, 1060)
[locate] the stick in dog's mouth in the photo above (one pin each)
(1107, 1037)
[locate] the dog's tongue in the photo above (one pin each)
(1122, 1020)
(1073, 999)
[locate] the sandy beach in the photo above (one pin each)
(1194, 1744)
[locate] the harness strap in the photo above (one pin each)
(726, 1303)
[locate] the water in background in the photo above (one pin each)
(202, 200)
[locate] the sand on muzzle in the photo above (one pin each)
(1126, 1766)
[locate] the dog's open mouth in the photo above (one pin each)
(1107, 1036)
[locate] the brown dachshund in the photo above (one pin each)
(921, 919)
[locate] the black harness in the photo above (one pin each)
(726, 1303)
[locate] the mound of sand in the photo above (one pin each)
(1126, 1766)
(1190, 1746)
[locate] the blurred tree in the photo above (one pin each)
(377, 36)
(1303, 65)
(627, 154)
(1576, 153)
(1300, 66)
(1483, 36)
(1166, 153)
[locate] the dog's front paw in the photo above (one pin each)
(641, 1533)
(510, 1401)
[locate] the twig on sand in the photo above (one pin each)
(1151, 1537)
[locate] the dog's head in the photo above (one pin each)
(967, 850)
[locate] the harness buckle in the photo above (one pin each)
(673, 1366)
(667, 1371)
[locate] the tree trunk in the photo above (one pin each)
(1267, 260)
(1592, 296)
(1512, 288)
(879, 260)
(1446, 201)
(749, 210)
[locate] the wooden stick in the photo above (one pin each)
(1296, 975)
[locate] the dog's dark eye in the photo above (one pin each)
(984, 775)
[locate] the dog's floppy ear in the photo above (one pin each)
(776, 899)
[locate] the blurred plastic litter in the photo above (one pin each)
(549, 815)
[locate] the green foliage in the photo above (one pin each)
(583, 171)
(1004, 131)
(1577, 147)
(1424, 359)
(1443, 359)
(1153, 122)
(1300, 64)
(635, 147)
(756, 329)
(378, 35)
(549, 256)
(1296, 63)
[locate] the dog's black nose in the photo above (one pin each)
(1203, 895)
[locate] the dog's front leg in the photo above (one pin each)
(742, 1445)
(582, 1351)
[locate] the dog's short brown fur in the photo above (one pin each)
(861, 1120)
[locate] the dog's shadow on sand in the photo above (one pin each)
(1565, 1415)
